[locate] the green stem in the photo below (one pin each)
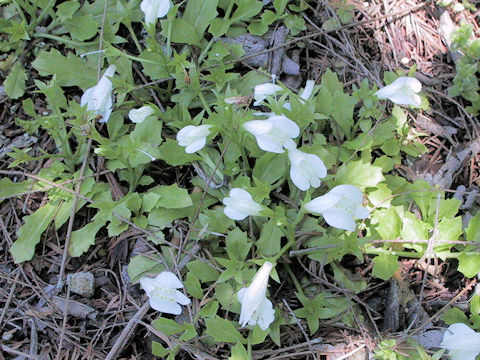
(249, 345)
(294, 279)
(206, 50)
(64, 40)
(204, 103)
(42, 15)
(134, 37)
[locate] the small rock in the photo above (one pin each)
(82, 283)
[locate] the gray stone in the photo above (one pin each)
(82, 283)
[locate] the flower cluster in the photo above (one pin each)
(256, 308)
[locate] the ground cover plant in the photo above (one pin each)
(239, 179)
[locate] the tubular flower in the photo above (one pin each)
(402, 91)
(461, 341)
(99, 97)
(240, 204)
(273, 133)
(260, 92)
(163, 294)
(306, 169)
(193, 138)
(138, 115)
(256, 308)
(154, 9)
(339, 207)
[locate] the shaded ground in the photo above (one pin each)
(388, 35)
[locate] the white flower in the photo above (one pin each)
(256, 308)
(154, 9)
(273, 133)
(99, 97)
(260, 92)
(305, 95)
(339, 207)
(402, 91)
(306, 169)
(461, 342)
(193, 138)
(240, 204)
(138, 115)
(163, 294)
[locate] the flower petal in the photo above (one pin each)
(322, 203)
(339, 219)
(285, 125)
(298, 179)
(196, 145)
(317, 164)
(267, 144)
(169, 280)
(240, 194)
(163, 7)
(307, 91)
(350, 192)
(266, 314)
(258, 127)
(234, 214)
(169, 307)
(361, 213)
(181, 298)
(147, 284)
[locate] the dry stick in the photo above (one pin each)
(9, 299)
(301, 328)
(9, 350)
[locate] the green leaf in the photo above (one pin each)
(182, 32)
(159, 350)
(246, 9)
(360, 174)
(385, 266)
(199, 13)
(343, 110)
(472, 232)
(209, 310)
(388, 223)
(237, 245)
(270, 167)
(270, 239)
(167, 326)
(15, 81)
(193, 287)
(81, 27)
(66, 10)
(238, 353)
(454, 315)
(223, 330)
(173, 197)
(69, 70)
(140, 265)
(174, 154)
(28, 236)
(469, 265)
(189, 333)
(9, 188)
(202, 271)
(85, 237)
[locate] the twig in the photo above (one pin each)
(346, 356)
(301, 329)
(64, 324)
(16, 352)
(9, 299)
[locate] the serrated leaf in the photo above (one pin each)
(360, 174)
(270, 239)
(28, 236)
(223, 330)
(173, 197)
(454, 315)
(384, 266)
(69, 70)
(237, 245)
(174, 154)
(140, 265)
(270, 167)
(167, 326)
(469, 264)
(85, 237)
(202, 271)
(472, 231)
(15, 82)
(199, 13)
(81, 27)
(238, 353)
